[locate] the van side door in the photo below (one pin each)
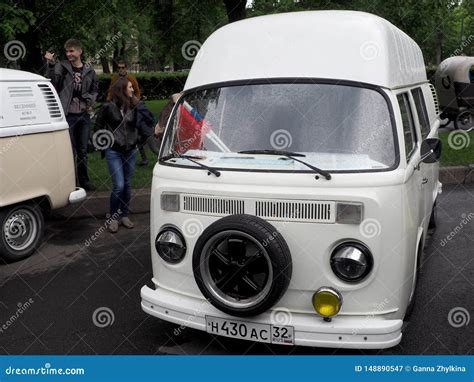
(426, 169)
(414, 183)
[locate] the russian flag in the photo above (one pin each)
(192, 128)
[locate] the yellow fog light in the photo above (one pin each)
(327, 302)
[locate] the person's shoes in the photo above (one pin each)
(127, 223)
(143, 162)
(88, 187)
(113, 226)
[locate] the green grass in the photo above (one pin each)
(156, 106)
(99, 173)
(465, 144)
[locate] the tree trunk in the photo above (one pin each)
(33, 60)
(235, 9)
(439, 47)
(105, 64)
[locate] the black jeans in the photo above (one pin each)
(79, 130)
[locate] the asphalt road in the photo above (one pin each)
(54, 294)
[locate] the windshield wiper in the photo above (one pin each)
(192, 159)
(291, 155)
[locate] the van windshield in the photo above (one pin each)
(336, 127)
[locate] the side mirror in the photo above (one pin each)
(430, 151)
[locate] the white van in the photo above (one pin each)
(36, 161)
(296, 183)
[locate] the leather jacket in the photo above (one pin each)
(62, 78)
(124, 128)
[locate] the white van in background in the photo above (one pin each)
(36, 161)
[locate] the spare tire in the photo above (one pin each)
(242, 265)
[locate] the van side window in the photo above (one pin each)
(421, 111)
(408, 125)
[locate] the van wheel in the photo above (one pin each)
(21, 231)
(433, 218)
(242, 265)
(464, 120)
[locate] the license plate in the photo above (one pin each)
(272, 334)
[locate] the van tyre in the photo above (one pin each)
(433, 218)
(21, 231)
(419, 262)
(242, 265)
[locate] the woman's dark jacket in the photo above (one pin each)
(124, 129)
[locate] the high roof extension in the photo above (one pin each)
(345, 45)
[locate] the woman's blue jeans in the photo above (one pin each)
(121, 169)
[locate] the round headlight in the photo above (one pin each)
(170, 245)
(351, 262)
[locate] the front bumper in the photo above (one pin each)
(359, 332)
(78, 195)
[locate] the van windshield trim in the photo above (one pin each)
(290, 80)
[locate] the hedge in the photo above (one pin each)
(160, 85)
(153, 85)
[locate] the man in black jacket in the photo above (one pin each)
(77, 85)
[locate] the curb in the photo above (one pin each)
(97, 203)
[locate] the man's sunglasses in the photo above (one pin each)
(121, 67)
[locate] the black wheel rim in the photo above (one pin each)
(465, 120)
(236, 269)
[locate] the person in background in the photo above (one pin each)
(120, 117)
(78, 86)
(122, 68)
(165, 115)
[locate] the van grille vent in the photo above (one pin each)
(212, 205)
(51, 101)
(311, 211)
(435, 98)
(20, 91)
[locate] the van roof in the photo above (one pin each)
(345, 45)
(19, 75)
